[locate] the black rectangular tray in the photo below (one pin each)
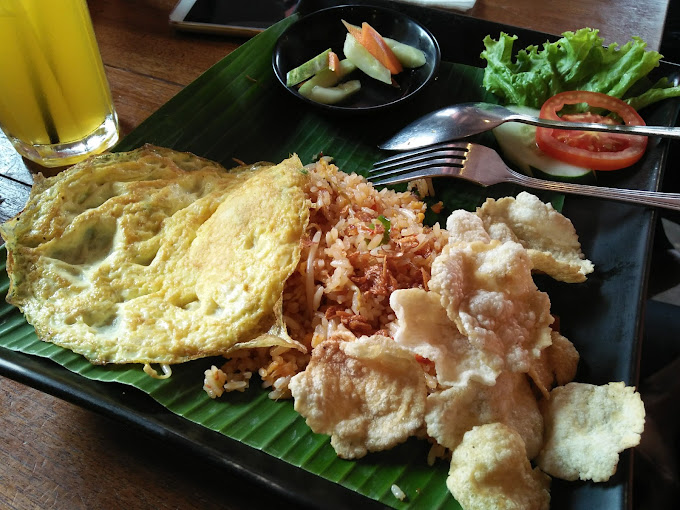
(602, 316)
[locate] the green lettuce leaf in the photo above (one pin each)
(577, 61)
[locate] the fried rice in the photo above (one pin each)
(361, 244)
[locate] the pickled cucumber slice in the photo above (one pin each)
(408, 55)
(333, 95)
(308, 69)
(327, 78)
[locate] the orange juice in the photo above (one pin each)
(55, 102)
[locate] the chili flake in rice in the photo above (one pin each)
(361, 244)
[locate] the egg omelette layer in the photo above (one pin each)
(157, 256)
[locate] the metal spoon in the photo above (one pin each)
(467, 119)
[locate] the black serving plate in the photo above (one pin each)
(603, 316)
(323, 29)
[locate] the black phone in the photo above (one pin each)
(233, 17)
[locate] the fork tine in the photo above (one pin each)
(415, 164)
(412, 176)
(440, 157)
(425, 150)
(431, 161)
(417, 160)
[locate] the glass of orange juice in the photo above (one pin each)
(55, 101)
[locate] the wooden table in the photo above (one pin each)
(56, 455)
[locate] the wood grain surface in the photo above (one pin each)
(617, 21)
(56, 455)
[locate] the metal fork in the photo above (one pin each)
(482, 165)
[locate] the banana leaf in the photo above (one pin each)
(238, 111)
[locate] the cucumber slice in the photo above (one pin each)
(308, 69)
(361, 58)
(327, 78)
(409, 56)
(333, 95)
(518, 144)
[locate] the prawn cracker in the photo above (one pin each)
(548, 236)
(490, 470)
(586, 427)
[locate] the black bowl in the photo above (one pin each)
(322, 29)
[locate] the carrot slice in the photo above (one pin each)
(355, 31)
(370, 39)
(333, 61)
(376, 46)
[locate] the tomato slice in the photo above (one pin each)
(591, 149)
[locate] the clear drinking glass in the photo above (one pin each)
(55, 101)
